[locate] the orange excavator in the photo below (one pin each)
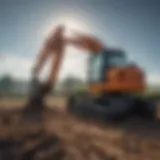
(113, 82)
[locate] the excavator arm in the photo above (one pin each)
(55, 47)
(82, 42)
(52, 46)
(41, 59)
(86, 42)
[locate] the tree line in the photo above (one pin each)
(8, 84)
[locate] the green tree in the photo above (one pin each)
(71, 82)
(6, 84)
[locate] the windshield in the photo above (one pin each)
(102, 62)
(117, 61)
(96, 67)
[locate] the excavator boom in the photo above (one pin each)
(54, 49)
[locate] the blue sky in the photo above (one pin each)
(133, 25)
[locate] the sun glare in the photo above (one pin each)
(71, 23)
(72, 56)
(74, 24)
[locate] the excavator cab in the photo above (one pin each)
(113, 85)
(111, 72)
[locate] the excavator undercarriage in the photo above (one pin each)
(115, 107)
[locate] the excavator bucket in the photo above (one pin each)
(35, 104)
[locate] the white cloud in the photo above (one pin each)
(15, 66)
(153, 79)
(19, 67)
(74, 63)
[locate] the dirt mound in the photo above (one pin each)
(33, 146)
(62, 137)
